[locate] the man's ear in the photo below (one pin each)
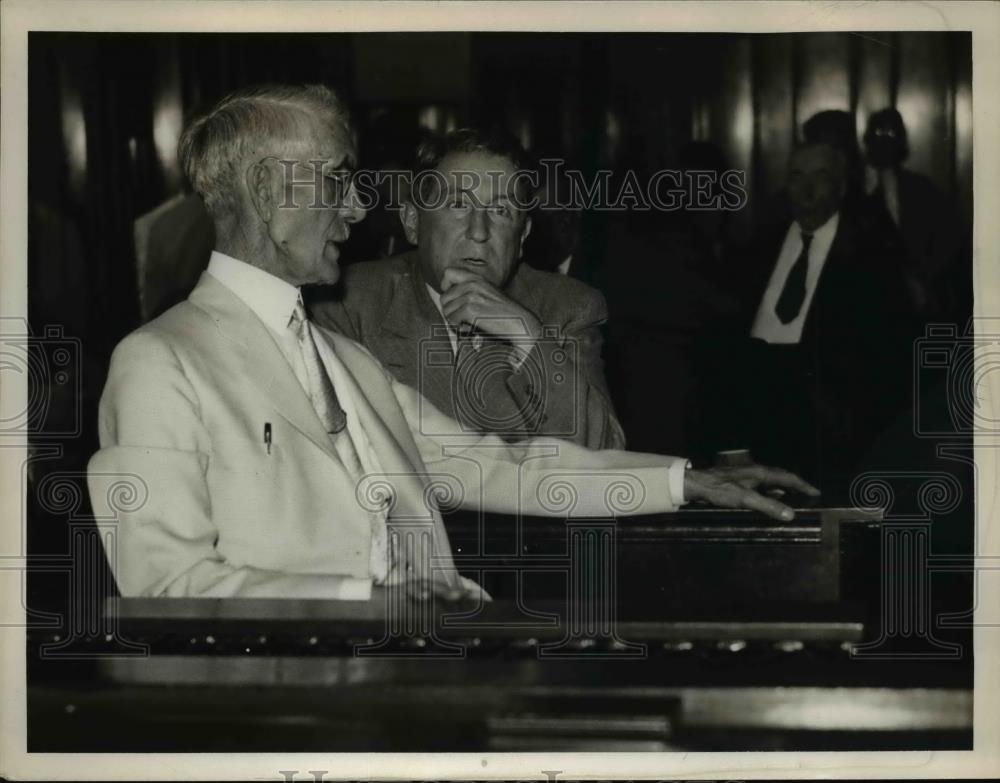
(410, 219)
(258, 182)
(524, 235)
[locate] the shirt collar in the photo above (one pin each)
(436, 299)
(271, 298)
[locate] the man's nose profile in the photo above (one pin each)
(477, 223)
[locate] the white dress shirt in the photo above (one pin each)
(436, 299)
(767, 326)
(273, 301)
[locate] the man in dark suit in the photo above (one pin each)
(919, 216)
(499, 346)
(824, 310)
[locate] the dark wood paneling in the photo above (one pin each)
(774, 119)
(824, 79)
(925, 97)
(962, 67)
(433, 68)
(731, 121)
(874, 67)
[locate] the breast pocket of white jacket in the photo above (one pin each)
(256, 492)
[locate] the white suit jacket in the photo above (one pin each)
(190, 501)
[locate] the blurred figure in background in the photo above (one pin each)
(173, 243)
(555, 233)
(923, 220)
(819, 357)
(390, 137)
(836, 128)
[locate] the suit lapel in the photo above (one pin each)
(262, 361)
(411, 308)
(397, 454)
(830, 286)
(414, 339)
(265, 366)
(521, 291)
(367, 392)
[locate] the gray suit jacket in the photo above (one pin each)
(559, 391)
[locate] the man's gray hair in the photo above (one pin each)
(248, 125)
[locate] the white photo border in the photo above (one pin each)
(20, 16)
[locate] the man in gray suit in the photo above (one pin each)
(499, 346)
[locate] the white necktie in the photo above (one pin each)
(321, 391)
(324, 399)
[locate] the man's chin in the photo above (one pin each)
(330, 276)
(331, 264)
(331, 251)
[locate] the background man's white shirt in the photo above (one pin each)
(767, 326)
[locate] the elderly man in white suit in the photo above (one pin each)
(276, 459)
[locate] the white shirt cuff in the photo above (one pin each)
(675, 480)
(354, 589)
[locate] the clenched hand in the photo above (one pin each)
(469, 300)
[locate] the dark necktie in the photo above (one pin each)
(794, 293)
(475, 372)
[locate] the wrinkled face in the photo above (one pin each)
(815, 185)
(469, 218)
(313, 205)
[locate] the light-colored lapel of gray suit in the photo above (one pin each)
(414, 336)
